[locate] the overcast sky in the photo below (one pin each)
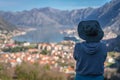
(19, 5)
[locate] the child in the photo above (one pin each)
(91, 54)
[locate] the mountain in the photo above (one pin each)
(107, 15)
(46, 17)
(4, 25)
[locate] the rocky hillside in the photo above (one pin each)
(4, 25)
(108, 15)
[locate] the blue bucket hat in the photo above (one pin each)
(90, 31)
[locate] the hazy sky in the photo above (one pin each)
(18, 5)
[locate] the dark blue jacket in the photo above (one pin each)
(90, 58)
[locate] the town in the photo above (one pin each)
(59, 56)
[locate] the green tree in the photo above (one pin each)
(44, 52)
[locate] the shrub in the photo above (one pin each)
(44, 52)
(28, 71)
(5, 72)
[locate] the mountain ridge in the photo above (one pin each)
(107, 15)
(46, 16)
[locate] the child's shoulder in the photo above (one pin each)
(103, 43)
